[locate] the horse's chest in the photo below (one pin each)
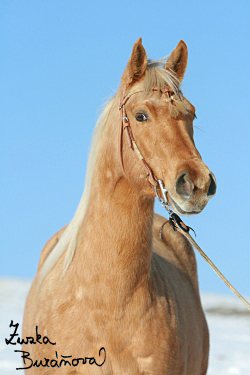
(148, 347)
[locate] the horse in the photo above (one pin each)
(110, 296)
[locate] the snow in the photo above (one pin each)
(228, 321)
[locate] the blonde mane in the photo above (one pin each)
(69, 237)
(156, 76)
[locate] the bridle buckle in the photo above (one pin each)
(163, 199)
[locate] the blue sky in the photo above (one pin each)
(60, 60)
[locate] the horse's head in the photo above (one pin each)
(160, 122)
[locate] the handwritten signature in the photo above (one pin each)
(65, 360)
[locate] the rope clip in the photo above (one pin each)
(174, 220)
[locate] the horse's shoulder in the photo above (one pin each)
(174, 247)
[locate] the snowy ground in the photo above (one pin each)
(228, 320)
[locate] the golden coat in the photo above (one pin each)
(122, 288)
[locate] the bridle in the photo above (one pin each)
(157, 184)
(159, 189)
(126, 127)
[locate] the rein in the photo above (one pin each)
(174, 220)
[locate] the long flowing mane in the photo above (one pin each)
(156, 76)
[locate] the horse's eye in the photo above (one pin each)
(141, 117)
(195, 116)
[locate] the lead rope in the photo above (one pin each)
(214, 268)
(178, 225)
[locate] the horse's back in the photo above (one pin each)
(49, 246)
(32, 301)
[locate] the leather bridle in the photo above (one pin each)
(126, 127)
(159, 189)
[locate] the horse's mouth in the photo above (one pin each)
(180, 211)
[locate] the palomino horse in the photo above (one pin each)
(110, 296)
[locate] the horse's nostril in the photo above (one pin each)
(183, 186)
(212, 186)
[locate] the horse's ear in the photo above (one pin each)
(177, 61)
(136, 65)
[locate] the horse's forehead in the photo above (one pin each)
(157, 103)
(154, 101)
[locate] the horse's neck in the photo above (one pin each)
(114, 242)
